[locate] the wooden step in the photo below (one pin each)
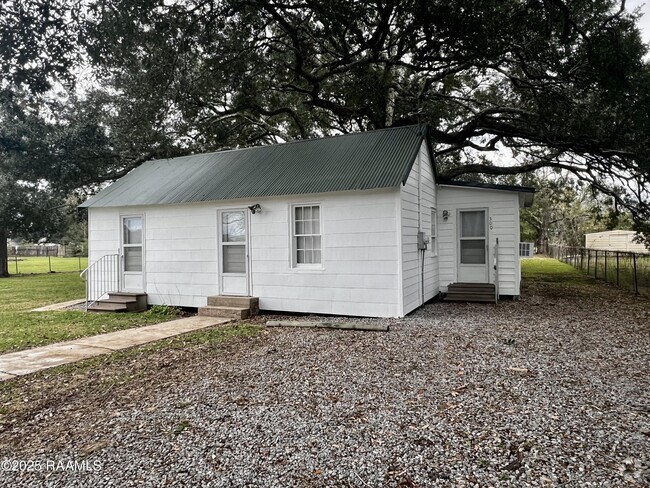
(225, 312)
(471, 292)
(251, 303)
(471, 286)
(469, 298)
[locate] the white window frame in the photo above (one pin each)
(223, 243)
(434, 231)
(124, 246)
(293, 238)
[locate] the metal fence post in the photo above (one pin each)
(618, 281)
(636, 282)
(588, 261)
(582, 259)
(605, 266)
(596, 265)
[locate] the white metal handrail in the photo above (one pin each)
(102, 277)
(496, 271)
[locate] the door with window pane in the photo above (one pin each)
(472, 246)
(132, 253)
(233, 252)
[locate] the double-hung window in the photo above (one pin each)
(306, 235)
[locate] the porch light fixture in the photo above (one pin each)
(445, 215)
(255, 208)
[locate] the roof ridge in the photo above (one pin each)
(297, 141)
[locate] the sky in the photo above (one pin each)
(644, 23)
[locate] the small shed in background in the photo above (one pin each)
(614, 240)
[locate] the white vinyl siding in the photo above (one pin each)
(358, 276)
(417, 197)
(503, 223)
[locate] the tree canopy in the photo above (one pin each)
(538, 83)
(505, 86)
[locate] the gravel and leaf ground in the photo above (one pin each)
(551, 390)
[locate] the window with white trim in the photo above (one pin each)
(306, 235)
(434, 231)
(132, 243)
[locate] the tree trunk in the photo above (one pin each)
(4, 255)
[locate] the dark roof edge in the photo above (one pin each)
(424, 130)
(489, 186)
(432, 159)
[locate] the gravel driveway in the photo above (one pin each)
(552, 390)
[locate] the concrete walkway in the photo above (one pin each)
(32, 360)
(58, 306)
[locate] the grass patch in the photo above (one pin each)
(42, 265)
(22, 329)
(551, 270)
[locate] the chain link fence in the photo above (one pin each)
(627, 270)
(55, 250)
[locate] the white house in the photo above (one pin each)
(355, 224)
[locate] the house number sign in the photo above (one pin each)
(491, 228)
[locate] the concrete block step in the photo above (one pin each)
(121, 299)
(103, 306)
(225, 312)
(252, 303)
(136, 302)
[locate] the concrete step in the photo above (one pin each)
(120, 299)
(103, 306)
(137, 302)
(225, 312)
(252, 303)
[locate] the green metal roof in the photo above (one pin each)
(361, 161)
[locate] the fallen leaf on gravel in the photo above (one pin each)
(524, 371)
(513, 465)
(90, 448)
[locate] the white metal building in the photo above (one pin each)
(348, 225)
(614, 240)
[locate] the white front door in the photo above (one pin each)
(233, 252)
(131, 253)
(472, 246)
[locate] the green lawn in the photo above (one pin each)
(551, 270)
(34, 265)
(21, 329)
